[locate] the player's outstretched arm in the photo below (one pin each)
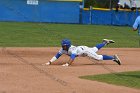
(53, 59)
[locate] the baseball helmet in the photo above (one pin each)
(66, 42)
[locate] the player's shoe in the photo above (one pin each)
(117, 60)
(46, 64)
(107, 41)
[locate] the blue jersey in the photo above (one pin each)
(137, 24)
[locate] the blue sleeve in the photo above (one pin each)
(58, 55)
(72, 56)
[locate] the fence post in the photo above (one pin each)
(81, 12)
(90, 17)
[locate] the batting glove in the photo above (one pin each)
(65, 65)
(48, 63)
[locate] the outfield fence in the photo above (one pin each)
(63, 12)
(109, 17)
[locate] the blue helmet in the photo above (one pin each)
(66, 42)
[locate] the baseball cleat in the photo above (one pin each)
(117, 60)
(107, 41)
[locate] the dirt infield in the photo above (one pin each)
(21, 71)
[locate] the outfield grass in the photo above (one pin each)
(14, 34)
(128, 79)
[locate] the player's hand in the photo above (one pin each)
(65, 65)
(46, 64)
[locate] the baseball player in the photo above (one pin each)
(136, 25)
(76, 51)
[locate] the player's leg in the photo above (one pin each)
(115, 58)
(104, 43)
(103, 57)
(100, 57)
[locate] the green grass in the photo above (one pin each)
(16, 34)
(128, 79)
